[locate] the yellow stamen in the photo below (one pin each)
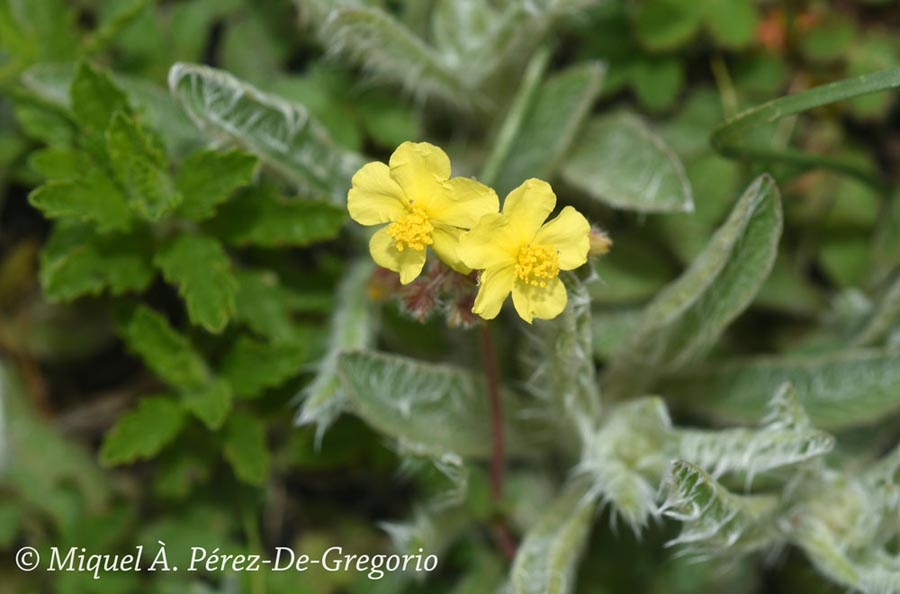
(537, 264)
(412, 230)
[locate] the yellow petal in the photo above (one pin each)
(375, 197)
(465, 202)
(421, 170)
(491, 243)
(528, 206)
(408, 263)
(446, 242)
(569, 234)
(494, 286)
(539, 302)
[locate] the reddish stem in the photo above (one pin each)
(498, 455)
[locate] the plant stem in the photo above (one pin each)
(493, 386)
(498, 451)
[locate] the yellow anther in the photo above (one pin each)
(412, 230)
(537, 264)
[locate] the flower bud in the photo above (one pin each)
(600, 242)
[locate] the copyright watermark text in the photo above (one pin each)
(333, 560)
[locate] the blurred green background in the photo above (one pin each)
(152, 358)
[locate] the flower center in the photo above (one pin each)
(537, 264)
(412, 230)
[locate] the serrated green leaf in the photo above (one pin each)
(433, 409)
(200, 268)
(266, 306)
(59, 163)
(139, 163)
(245, 448)
(259, 216)
(838, 390)
(252, 366)
(143, 431)
(208, 177)
(352, 328)
(77, 261)
(172, 357)
(50, 125)
(210, 402)
(166, 352)
(282, 134)
(549, 126)
(713, 519)
(94, 197)
(620, 161)
(547, 559)
(687, 317)
(95, 99)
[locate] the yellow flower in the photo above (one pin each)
(522, 255)
(422, 204)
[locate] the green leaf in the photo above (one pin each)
(166, 352)
(730, 137)
(210, 402)
(41, 30)
(549, 126)
(208, 177)
(252, 366)
(883, 320)
(169, 354)
(142, 432)
(432, 409)
(731, 22)
(657, 82)
(11, 516)
(282, 134)
(352, 327)
(787, 439)
(621, 162)
(94, 197)
(245, 448)
(200, 268)
(391, 52)
(667, 24)
(140, 166)
(713, 519)
(838, 390)
(687, 317)
(266, 306)
(77, 261)
(95, 98)
(547, 559)
(54, 475)
(48, 124)
(59, 163)
(259, 216)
